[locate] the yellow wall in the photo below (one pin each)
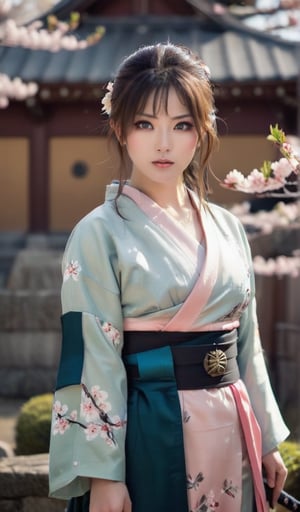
(70, 197)
(243, 153)
(14, 175)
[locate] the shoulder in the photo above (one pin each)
(221, 213)
(228, 221)
(97, 228)
(99, 216)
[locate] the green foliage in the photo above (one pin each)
(290, 452)
(266, 169)
(33, 425)
(276, 135)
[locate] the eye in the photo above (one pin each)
(184, 125)
(143, 125)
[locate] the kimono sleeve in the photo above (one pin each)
(89, 410)
(255, 375)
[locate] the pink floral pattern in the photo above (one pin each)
(110, 332)
(73, 270)
(206, 503)
(203, 501)
(94, 410)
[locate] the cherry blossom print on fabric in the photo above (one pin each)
(193, 483)
(110, 332)
(213, 480)
(245, 278)
(230, 489)
(72, 270)
(206, 504)
(96, 421)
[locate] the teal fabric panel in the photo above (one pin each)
(79, 504)
(155, 464)
(72, 350)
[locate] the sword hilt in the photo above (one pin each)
(285, 500)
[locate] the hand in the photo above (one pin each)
(109, 496)
(275, 472)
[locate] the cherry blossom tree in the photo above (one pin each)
(273, 178)
(57, 35)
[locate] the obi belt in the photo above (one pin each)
(155, 459)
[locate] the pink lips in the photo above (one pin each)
(163, 163)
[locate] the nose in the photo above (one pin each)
(163, 142)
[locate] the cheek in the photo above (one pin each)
(134, 143)
(192, 142)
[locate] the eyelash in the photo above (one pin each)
(140, 125)
(146, 125)
(186, 124)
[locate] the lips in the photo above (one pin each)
(163, 163)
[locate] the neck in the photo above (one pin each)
(166, 196)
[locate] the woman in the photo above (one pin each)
(159, 320)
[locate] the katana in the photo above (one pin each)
(285, 500)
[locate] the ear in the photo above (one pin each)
(116, 128)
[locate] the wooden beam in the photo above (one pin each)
(38, 179)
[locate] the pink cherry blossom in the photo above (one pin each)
(58, 408)
(118, 423)
(73, 270)
(92, 431)
(98, 394)
(36, 37)
(112, 333)
(88, 410)
(5, 7)
(33, 36)
(105, 431)
(256, 181)
(281, 169)
(60, 426)
(234, 179)
(272, 176)
(15, 89)
(280, 266)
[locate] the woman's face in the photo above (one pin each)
(161, 146)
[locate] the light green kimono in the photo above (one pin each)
(136, 269)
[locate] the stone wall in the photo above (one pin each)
(24, 485)
(30, 323)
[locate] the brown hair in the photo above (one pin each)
(156, 69)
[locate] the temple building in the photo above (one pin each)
(55, 161)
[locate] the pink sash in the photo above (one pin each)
(252, 436)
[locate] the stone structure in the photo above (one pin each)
(30, 318)
(24, 485)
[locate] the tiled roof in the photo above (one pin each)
(231, 53)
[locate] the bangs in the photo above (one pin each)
(141, 91)
(159, 94)
(157, 87)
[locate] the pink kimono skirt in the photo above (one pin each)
(190, 450)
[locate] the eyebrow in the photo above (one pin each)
(152, 116)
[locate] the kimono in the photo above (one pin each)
(134, 268)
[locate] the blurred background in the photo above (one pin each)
(55, 162)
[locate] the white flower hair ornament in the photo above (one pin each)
(106, 100)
